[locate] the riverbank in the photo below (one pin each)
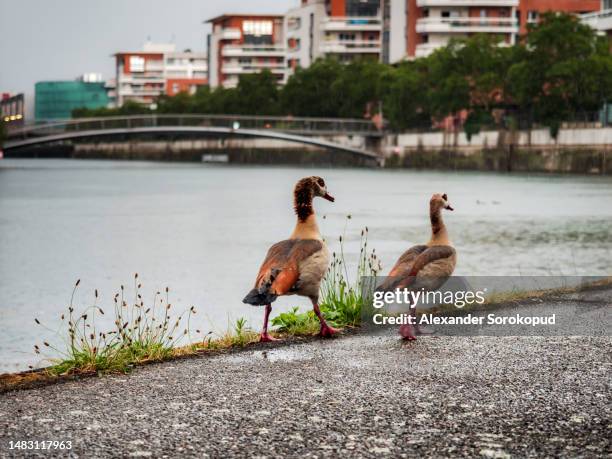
(584, 150)
(361, 395)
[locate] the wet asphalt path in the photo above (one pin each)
(356, 396)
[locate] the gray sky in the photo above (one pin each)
(61, 39)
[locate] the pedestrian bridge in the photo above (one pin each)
(307, 131)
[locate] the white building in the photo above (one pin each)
(142, 76)
(346, 29)
(440, 20)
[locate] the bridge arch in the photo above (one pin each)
(268, 134)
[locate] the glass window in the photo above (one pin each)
(137, 64)
(257, 28)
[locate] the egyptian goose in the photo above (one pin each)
(425, 266)
(297, 265)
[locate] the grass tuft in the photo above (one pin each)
(140, 334)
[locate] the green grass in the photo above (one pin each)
(140, 334)
(342, 300)
(145, 333)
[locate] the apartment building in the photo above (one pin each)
(601, 20)
(242, 44)
(142, 76)
(432, 23)
(345, 29)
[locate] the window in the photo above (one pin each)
(257, 28)
(532, 16)
(137, 64)
(483, 17)
(607, 4)
(347, 37)
(362, 7)
(445, 14)
(294, 23)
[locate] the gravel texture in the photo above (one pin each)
(358, 396)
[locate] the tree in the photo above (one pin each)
(309, 92)
(564, 71)
(258, 94)
(356, 88)
(404, 94)
(179, 103)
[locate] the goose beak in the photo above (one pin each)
(329, 197)
(448, 207)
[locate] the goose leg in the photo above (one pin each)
(326, 330)
(407, 331)
(265, 337)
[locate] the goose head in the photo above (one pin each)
(310, 187)
(439, 201)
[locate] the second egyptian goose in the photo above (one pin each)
(425, 266)
(296, 265)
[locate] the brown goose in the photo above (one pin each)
(425, 266)
(297, 265)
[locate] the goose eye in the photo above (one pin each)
(321, 182)
(445, 197)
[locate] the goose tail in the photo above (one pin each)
(259, 297)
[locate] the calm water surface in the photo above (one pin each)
(203, 231)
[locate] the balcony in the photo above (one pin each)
(425, 49)
(230, 34)
(349, 47)
(484, 3)
(251, 50)
(600, 21)
(352, 24)
(466, 25)
(242, 69)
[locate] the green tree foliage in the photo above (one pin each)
(559, 71)
(564, 71)
(257, 93)
(309, 92)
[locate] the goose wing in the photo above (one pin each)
(402, 267)
(432, 262)
(280, 270)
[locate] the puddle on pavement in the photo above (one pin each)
(273, 355)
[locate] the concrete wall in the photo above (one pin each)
(584, 151)
(598, 138)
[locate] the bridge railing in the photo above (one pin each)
(304, 126)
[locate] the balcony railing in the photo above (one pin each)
(601, 20)
(352, 23)
(484, 3)
(425, 49)
(230, 34)
(345, 46)
(251, 50)
(230, 69)
(466, 25)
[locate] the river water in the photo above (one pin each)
(203, 230)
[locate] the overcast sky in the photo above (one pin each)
(61, 39)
